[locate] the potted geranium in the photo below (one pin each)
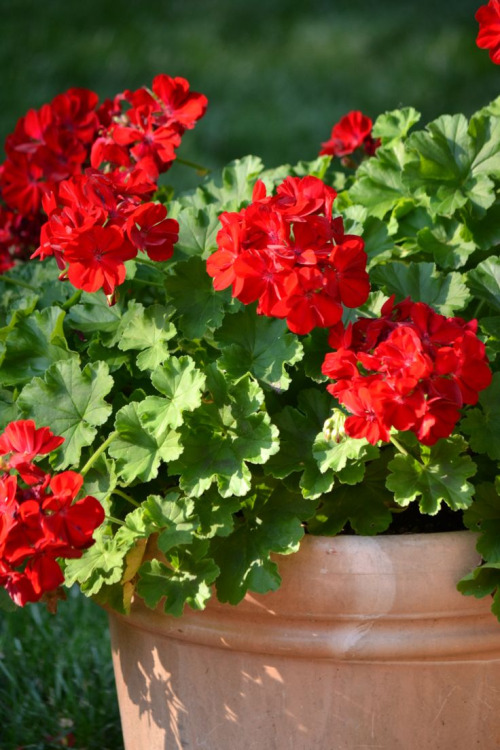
(297, 357)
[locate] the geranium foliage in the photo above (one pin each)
(205, 377)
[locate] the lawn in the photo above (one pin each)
(277, 75)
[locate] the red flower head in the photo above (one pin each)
(488, 17)
(286, 252)
(412, 369)
(353, 131)
(23, 441)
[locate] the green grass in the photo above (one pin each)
(56, 678)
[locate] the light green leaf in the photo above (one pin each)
(440, 476)
(221, 436)
(379, 186)
(182, 385)
(198, 305)
(484, 282)
(148, 331)
(189, 583)
(391, 126)
(258, 345)
(446, 293)
(71, 402)
(140, 447)
(102, 564)
(483, 425)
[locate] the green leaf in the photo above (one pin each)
(238, 179)
(147, 330)
(365, 507)
(379, 186)
(258, 345)
(182, 385)
(337, 455)
(102, 564)
(71, 402)
(198, 229)
(484, 516)
(484, 282)
(483, 581)
(200, 311)
(173, 515)
(450, 166)
(422, 282)
(449, 243)
(141, 445)
(221, 436)
(392, 126)
(440, 476)
(298, 429)
(189, 583)
(32, 344)
(100, 480)
(244, 556)
(95, 314)
(483, 425)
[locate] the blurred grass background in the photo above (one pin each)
(278, 74)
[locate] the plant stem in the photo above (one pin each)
(398, 445)
(18, 282)
(98, 452)
(72, 300)
(116, 491)
(115, 520)
(146, 262)
(145, 282)
(202, 171)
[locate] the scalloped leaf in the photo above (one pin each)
(147, 330)
(197, 304)
(221, 436)
(391, 126)
(483, 425)
(446, 293)
(71, 402)
(484, 282)
(258, 345)
(188, 582)
(141, 446)
(440, 476)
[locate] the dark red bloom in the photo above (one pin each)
(41, 520)
(96, 259)
(285, 252)
(353, 131)
(411, 369)
(488, 17)
(150, 231)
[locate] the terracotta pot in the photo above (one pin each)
(366, 645)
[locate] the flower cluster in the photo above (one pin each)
(286, 251)
(93, 170)
(488, 17)
(352, 132)
(411, 369)
(39, 522)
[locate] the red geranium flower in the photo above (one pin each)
(96, 259)
(488, 17)
(23, 441)
(353, 131)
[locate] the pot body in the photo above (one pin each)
(367, 644)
